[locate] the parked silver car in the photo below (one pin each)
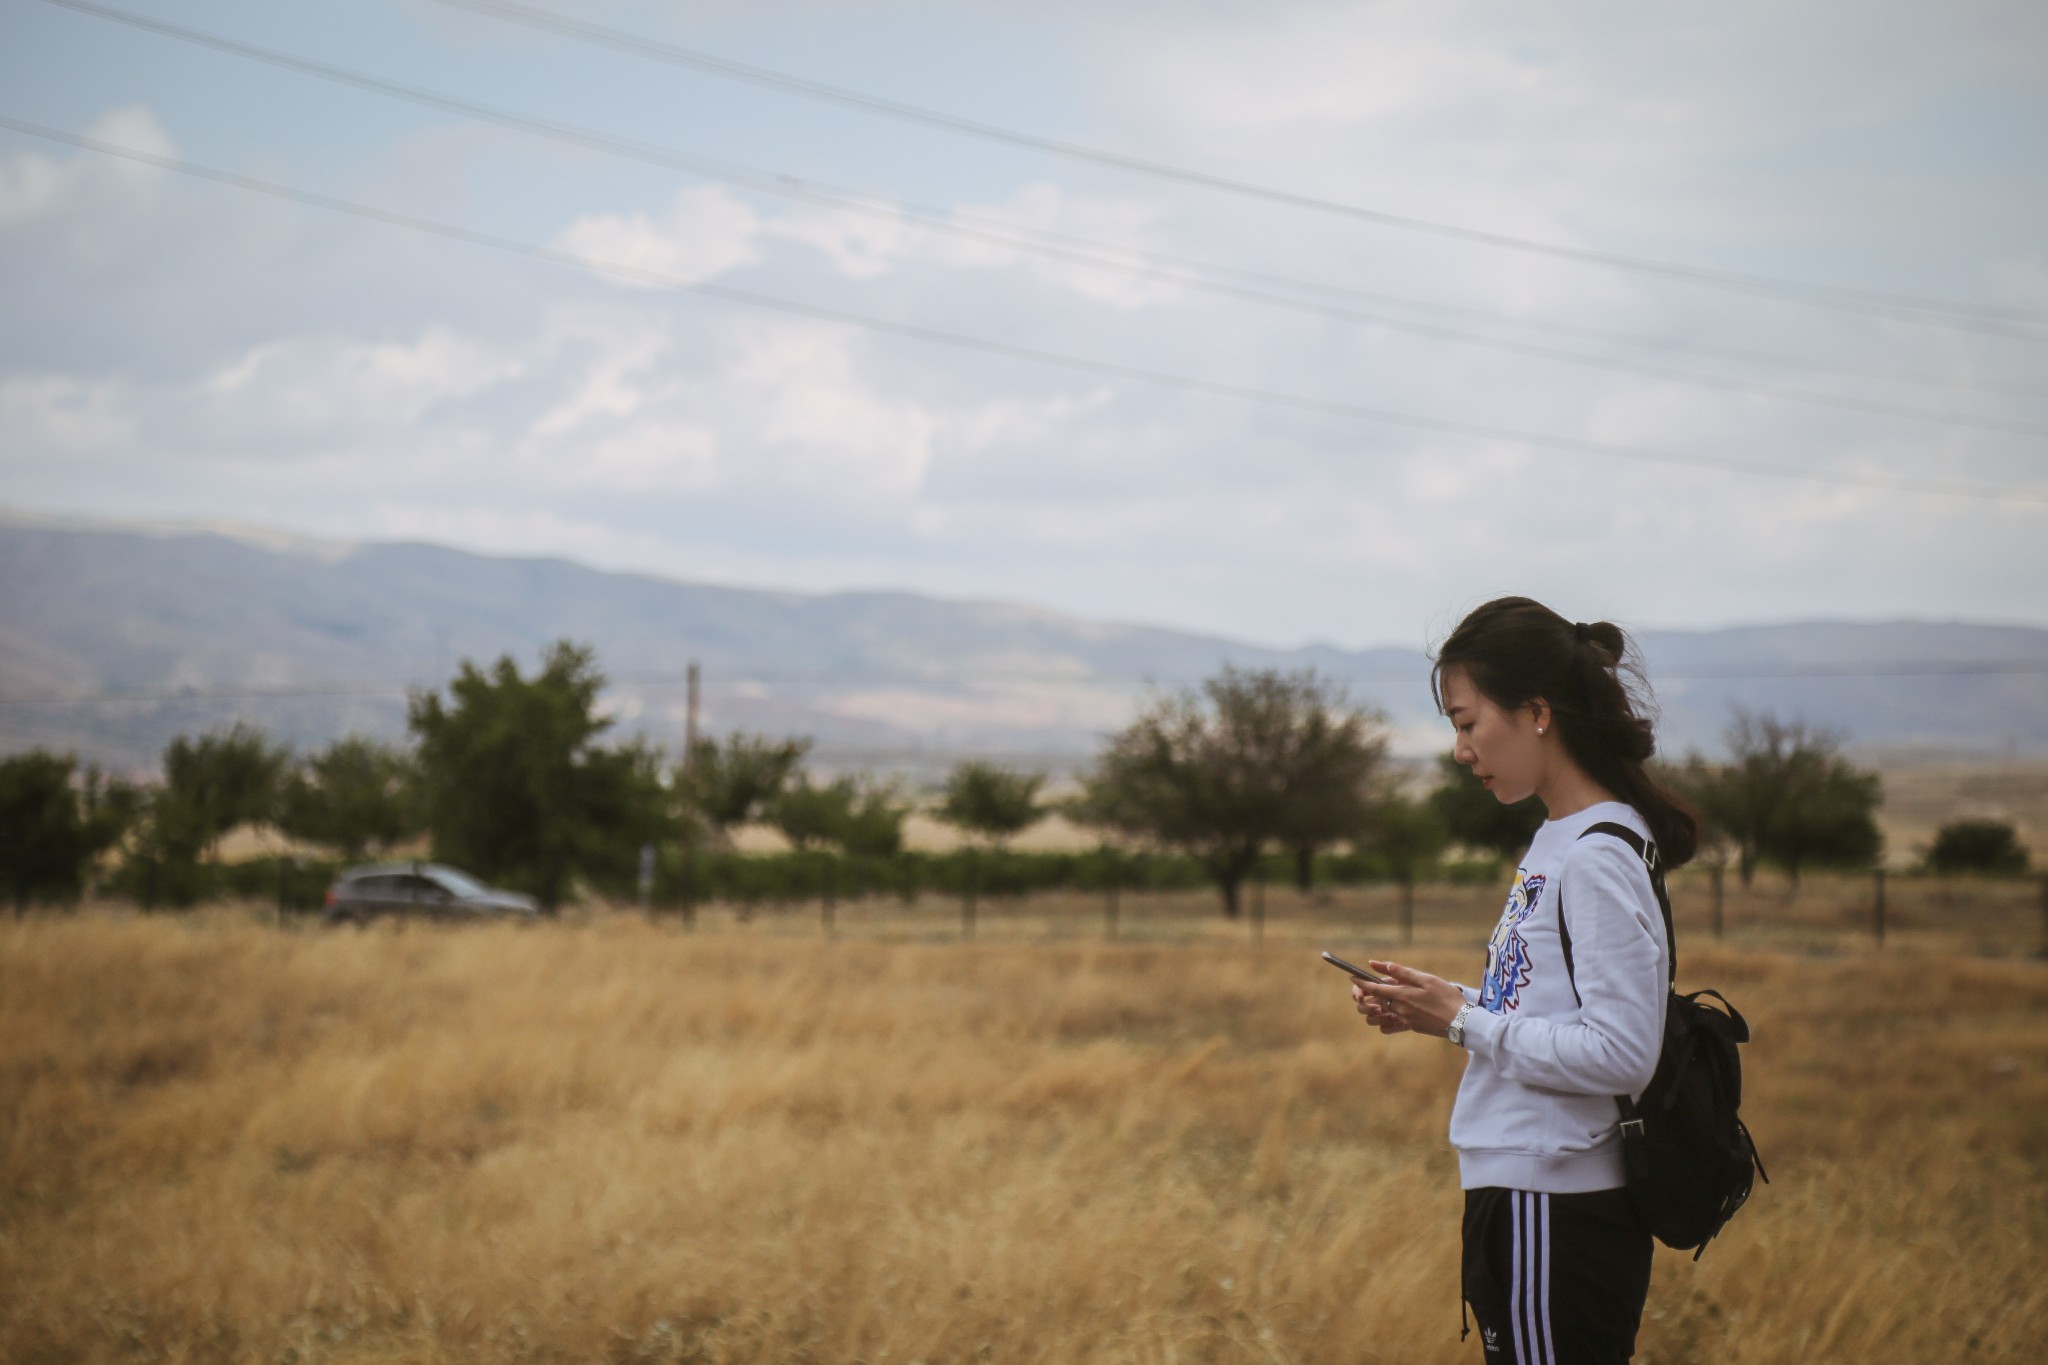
(434, 890)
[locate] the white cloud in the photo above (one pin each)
(184, 350)
(860, 246)
(37, 183)
(701, 233)
(326, 384)
(821, 424)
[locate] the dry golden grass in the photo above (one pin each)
(611, 1141)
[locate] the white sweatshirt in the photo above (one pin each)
(1535, 1109)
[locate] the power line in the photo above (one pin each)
(1905, 307)
(739, 676)
(1009, 236)
(1053, 359)
(995, 230)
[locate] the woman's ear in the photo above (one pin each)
(1540, 709)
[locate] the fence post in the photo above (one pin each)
(1714, 872)
(1258, 901)
(1877, 907)
(1109, 907)
(831, 894)
(284, 872)
(687, 881)
(1408, 909)
(967, 895)
(2044, 916)
(693, 695)
(646, 883)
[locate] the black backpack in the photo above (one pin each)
(1686, 1153)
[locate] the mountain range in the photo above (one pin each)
(115, 637)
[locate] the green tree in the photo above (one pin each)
(1786, 793)
(211, 785)
(994, 802)
(874, 826)
(808, 813)
(731, 783)
(1830, 821)
(516, 788)
(1472, 817)
(352, 796)
(1224, 771)
(1409, 835)
(50, 829)
(1333, 782)
(1991, 847)
(860, 817)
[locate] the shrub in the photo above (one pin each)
(1984, 846)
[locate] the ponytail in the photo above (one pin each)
(1517, 651)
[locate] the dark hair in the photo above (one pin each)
(1517, 651)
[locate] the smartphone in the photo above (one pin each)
(1341, 965)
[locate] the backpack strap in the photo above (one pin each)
(1646, 850)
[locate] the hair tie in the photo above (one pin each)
(1583, 631)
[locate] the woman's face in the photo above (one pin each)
(1501, 748)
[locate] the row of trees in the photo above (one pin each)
(512, 778)
(508, 773)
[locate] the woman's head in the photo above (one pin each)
(1514, 668)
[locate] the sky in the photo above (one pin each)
(974, 367)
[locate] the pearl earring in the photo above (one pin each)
(1539, 729)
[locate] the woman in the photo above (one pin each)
(1571, 1011)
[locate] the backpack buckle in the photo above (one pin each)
(1631, 1128)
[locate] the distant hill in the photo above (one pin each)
(114, 638)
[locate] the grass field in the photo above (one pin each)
(607, 1140)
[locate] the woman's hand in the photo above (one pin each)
(1375, 1011)
(1409, 1001)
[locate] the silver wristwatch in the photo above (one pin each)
(1456, 1032)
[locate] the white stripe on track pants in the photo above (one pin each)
(1555, 1279)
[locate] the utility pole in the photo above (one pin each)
(690, 801)
(1714, 872)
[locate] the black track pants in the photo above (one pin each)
(1555, 1279)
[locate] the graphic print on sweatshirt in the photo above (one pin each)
(1507, 953)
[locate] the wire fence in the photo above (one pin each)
(1819, 915)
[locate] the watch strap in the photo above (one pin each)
(1456, 1032)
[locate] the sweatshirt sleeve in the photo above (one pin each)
(1618, 959)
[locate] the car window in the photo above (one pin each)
(375, 886)
(424, 889)
(460, 883)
